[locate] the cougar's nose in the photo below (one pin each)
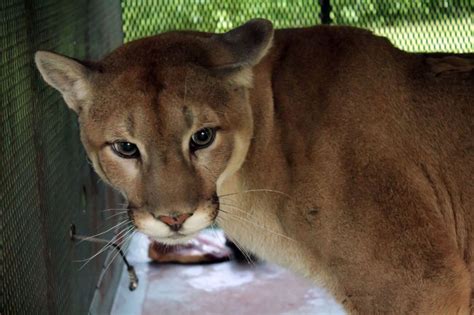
(174, 221)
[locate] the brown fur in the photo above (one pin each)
(367, 151)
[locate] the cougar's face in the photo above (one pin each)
(166, 140)
(166, 120)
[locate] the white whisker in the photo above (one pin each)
(115, 209)
(243, 251)
(101, 233)
(116, 214)
(237, 218)
(106, 246)
(236, 207)
(213, 229)
(129, 237)
(226, 203)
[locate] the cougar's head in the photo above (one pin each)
(166, 119)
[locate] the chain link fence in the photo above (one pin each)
(420, 25)
(150, 17)
(413, 25)
(46, 183)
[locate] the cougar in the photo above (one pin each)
(324, 149)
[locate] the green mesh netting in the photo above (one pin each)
(46, 183)
(420, 25)
(149, 17)
(413, 25)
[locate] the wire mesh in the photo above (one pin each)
(43, 166)
(421, 25)
(413, 25)
(150, 17)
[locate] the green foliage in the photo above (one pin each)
(378, 13)
(415, 25)
(150, 17)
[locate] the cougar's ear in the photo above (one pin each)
(241, 48)
(66, 75)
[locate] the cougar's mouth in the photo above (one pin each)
(175, 228)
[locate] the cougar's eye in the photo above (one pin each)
(202, 139)
(126, 150)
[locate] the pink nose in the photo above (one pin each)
(174, 222)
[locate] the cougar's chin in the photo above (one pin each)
(175, 238)
(163, 233)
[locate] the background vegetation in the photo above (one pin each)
(415, 25)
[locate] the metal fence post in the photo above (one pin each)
(325, 11)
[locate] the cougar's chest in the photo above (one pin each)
(250, 218)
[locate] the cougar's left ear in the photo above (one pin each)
(241, 48)
(68, 76)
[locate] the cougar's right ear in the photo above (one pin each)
(234, 53)
(246, 45)
(68, 76)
